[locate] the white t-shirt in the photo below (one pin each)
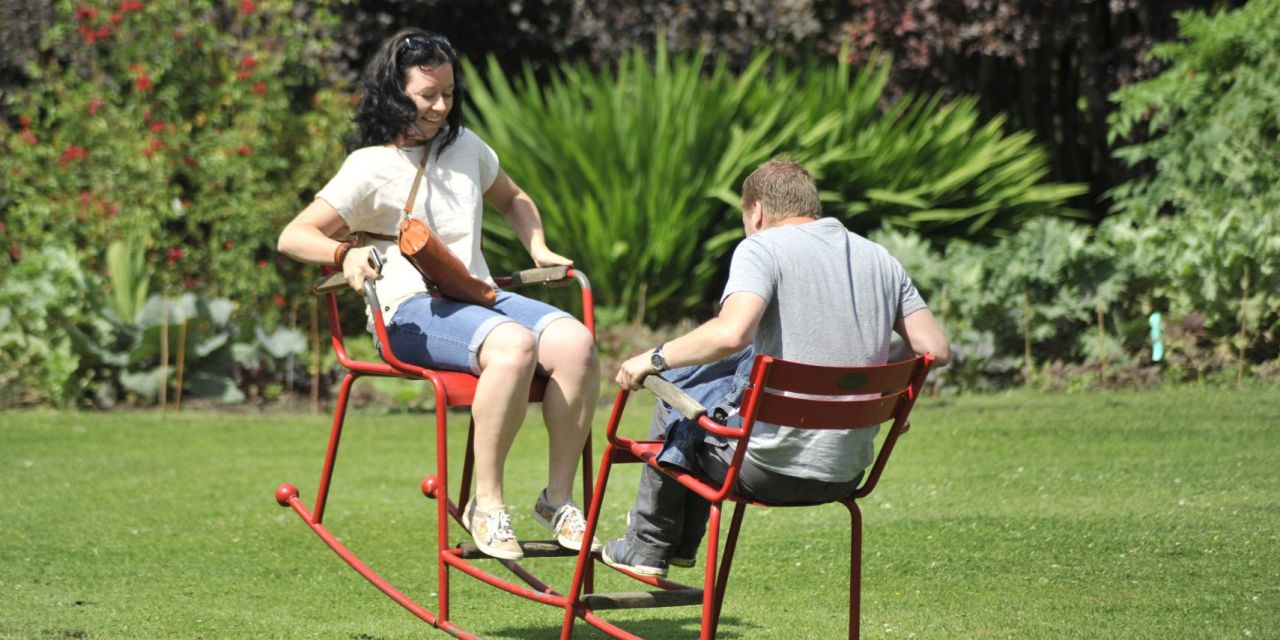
(373, 184)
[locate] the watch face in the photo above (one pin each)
(659, 363)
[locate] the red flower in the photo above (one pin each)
(247, 6)
(279, 300)
(190, 162)
(260, 88)
(130, 5)
(158, 127)
(173, 255)
(248, 63)
(103, 32)
(116, 18)
(113, 211)
(88, 33)
(143, 83)
(28, 137)
(73, 153)
(225, 245)
(262, 264)
(94, 105)
(85, 198)
(24, 120)
(85, 12)
(242, 75)
(244, 150)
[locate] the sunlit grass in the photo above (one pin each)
(1115, 515)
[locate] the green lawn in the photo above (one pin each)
(1115, 515)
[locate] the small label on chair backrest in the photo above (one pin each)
(851, 381)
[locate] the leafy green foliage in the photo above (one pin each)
(922, 163)
(39, 299)
(181, 124)
(637, 169)
(138, 357)
(622, 165)
(1213, 120)
(1047, 66)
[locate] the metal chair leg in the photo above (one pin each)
(331, 454)
(722, 583)
(709, 580)
(583, 568)
(855, 569)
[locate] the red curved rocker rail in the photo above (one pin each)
(452, 389)
(885, 393)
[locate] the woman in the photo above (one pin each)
(411, 106)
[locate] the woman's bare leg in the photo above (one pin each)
(567, 352)
(507, 360)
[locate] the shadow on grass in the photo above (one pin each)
(730, 627)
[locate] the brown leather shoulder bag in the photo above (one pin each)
(442, 271)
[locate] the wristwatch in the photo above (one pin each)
(659, 363)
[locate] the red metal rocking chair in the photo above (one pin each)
(452, 389)
(885, 393)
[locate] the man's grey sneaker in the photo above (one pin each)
(685, 555)
(492, 532)
(617, 554)
(567, 523)
(684, 558)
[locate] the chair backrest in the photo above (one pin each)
(806, 396)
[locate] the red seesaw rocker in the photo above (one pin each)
(452, 389)
(781, 392)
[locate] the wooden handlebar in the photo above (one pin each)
(672, 395)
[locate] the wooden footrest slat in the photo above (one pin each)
(532, 549)
(643, 599)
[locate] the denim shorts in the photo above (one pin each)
(442, 333)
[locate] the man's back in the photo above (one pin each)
(832, 299)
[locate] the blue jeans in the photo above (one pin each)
(671, 520)
(443, 333)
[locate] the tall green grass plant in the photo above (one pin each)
(637, 168)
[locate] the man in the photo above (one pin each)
(803, 288)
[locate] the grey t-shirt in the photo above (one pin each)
(833, 298)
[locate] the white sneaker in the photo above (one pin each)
(567, 523)
(492, 532)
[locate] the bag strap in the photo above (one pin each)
(417, 180)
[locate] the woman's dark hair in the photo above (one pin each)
(384, 111)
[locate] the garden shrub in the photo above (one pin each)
(40, 298)
(196, 126)
(636, 169)
(187, 134)
(1213, 122)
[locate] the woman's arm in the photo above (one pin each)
(309, 237)
(522, 214)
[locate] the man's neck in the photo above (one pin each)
(790, 220)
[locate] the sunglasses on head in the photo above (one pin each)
(420, 41)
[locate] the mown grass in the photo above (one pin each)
(1113, 515)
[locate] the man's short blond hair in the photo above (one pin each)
(784, 188)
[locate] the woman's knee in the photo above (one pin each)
(567, 343)
(509, 346)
